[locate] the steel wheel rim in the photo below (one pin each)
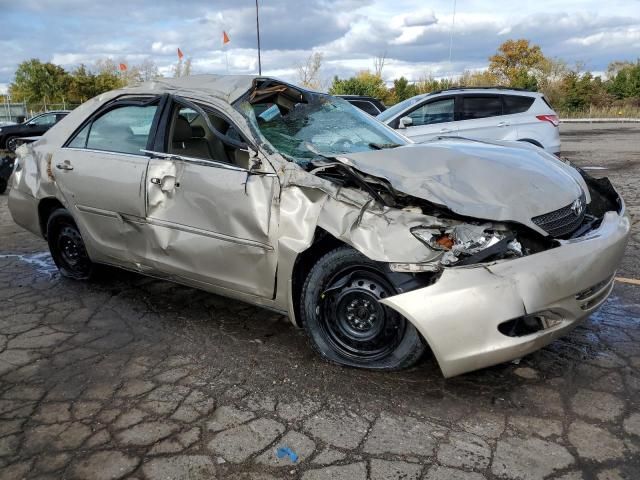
(353, 320)
(71, 250)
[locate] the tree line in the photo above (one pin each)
(516, 64)
(40, 83)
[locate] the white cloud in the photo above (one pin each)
(350, 33)
(420, 19)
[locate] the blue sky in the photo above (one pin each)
(414, 34)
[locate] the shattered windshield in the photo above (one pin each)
(325, 126)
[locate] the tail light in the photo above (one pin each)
(552, 119)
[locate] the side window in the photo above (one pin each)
(44, 120)
(190, 136)
(80, 140)
(480, 107)
(365, 106)
(516, 104)
(437, 111)
(124, 129)
(60, 116)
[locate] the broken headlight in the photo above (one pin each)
(466, 243)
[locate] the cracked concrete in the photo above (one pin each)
(132, 377)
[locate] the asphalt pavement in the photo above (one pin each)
(135, 377)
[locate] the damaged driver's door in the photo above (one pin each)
(209, 204)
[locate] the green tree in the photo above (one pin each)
(37, 82)
(625, 82)
(515, 62)
(364, 83)
(402, 89)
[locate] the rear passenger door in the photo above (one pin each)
(481, 116)
(431, 119)
(101, 170)
(515, 107)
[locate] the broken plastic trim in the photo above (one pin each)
(529, 324)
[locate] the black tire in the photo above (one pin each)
(67, 247)
(345, 322)
(3, 185)
(10, 144)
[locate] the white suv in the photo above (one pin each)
(485, 113)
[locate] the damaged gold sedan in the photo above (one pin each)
(379, 248)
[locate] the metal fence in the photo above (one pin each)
(13, 112)
(20, 111)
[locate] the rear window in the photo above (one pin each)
(517, 104)
(365, 106)
(480, 107)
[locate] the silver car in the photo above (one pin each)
(297, 201)
(481, 113)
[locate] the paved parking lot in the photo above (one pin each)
(135, 377)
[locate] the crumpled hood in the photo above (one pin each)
(501, 182)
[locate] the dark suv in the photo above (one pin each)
(33, 127)
(371, 105)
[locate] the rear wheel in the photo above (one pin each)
(67, 247)
(11, 143)
(344, 319)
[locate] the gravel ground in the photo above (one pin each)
(136, 377)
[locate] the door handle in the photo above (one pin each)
(445, 130)
(166, 184)
(503, 124)
(66, 165)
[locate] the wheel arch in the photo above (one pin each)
(46, 207)
(531, 141)
(323, 242)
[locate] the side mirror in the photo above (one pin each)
(405, 122)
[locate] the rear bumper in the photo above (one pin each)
(459, 315)
(24, 210)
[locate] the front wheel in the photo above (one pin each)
(344, 319)
(11, 144)
(67, 247)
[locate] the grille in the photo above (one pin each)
(563, 221)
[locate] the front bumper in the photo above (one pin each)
(459, 315)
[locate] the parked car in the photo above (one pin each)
(6, 168)
(371, 105)
(33, 127)
(378, 247)
(486, 113)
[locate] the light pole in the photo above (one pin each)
(258, 32)
(453, 24)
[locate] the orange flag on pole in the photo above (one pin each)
(225, 38)
(123, 67)
(180, 54)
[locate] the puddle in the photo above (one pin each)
(42, 262)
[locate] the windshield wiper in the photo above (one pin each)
(382, 146)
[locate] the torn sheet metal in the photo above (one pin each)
(459, 315)
(477, 179)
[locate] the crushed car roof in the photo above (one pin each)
(227, 87)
